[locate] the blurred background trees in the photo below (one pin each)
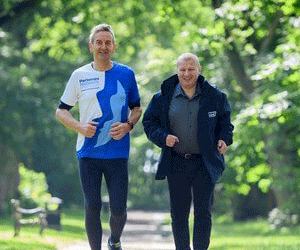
(249, 49)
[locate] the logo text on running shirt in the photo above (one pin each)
(91, 83)
(84, 82)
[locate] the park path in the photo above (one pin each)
(143, 231)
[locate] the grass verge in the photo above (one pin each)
(249, 235)
(253, 235)
(29, 239)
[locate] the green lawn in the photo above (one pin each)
(29, 238)
(251, 235)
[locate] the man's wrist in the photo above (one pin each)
(131, 125)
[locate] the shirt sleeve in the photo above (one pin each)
(70, 95)
(133, 95)
(62, 105)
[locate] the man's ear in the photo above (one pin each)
(91, 47)
(115, 46)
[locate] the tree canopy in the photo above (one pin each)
(248, 49)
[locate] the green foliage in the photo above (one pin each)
(265, 150)
(249, 49)
(142, 185)
(279, 219)
(33, 188)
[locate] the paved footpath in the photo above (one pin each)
(143, 231)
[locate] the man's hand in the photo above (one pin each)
(171, 140)
(119, 130)
(88, 129)
(222, 147)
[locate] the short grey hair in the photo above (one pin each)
(187, 57)
(101, 27)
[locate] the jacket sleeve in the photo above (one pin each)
(224, 129)
(152, 122)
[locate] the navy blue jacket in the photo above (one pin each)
(213, 125)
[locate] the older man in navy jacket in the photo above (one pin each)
(190, 120)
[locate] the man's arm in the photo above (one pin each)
(66, 118)
(224, 127)
(119, 129)
(153, 125)
(135, 115)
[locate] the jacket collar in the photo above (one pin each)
(179, 91)
(168, 86)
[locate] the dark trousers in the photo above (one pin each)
(115, 172)
(189, 181)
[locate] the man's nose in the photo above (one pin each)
(103, 46)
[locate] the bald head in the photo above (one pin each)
(187, 57)
(188, 71)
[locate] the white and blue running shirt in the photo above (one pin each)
(104, 97)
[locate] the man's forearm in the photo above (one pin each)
(119, 129)
(66, 118)
(135, 115)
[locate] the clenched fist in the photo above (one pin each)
(88, 129)
(171, 140)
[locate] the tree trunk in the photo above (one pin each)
(281, 166)
(235, 60)
(238, 67)
(9, 177)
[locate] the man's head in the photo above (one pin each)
(101, 27)
(102, 41)
(188, 70)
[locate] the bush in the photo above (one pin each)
(33, 188)
(279, 219)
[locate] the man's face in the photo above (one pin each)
(103, 45)
(188, 72)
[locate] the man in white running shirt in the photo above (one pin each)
(105, 90)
